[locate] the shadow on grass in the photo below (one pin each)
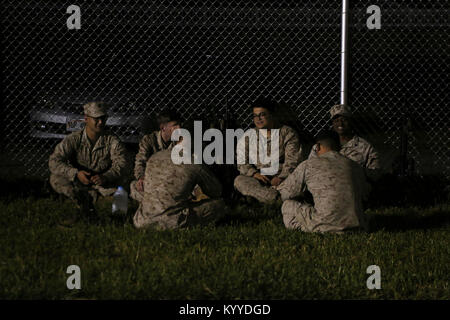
(255, 214)
(114, 220)
(413, 221)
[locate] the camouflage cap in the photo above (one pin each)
(340, 109)
(95, 109)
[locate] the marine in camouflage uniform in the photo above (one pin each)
(338, 187)
(107, 157)
(151, 143)
(167, 201)
(251, 182)
(355, 148)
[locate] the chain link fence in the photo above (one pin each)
(399, 88)
(399, 79)
(213, 59)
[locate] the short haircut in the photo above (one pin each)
(167, 116)
(329, 139)
(265, 103)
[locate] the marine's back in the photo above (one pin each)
(169, 185)
(338, 187)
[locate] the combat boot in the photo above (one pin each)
(69, 218)
(85, 206)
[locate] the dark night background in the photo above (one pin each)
(216, 57)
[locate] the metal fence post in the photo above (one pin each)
(344, 51)
(146, 58)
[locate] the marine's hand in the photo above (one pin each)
(98, 180)
(140, 185)
(198, 193)
(276, 181)
(83, 176)
(261, 178)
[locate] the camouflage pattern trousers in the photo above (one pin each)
(191, 214)
(301, 216)
(139, 196)
(249, 186)
(298, 215)
(72, 189)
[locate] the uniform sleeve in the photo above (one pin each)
(243, 163)
(291, 154)
(209, 183)
(119, 164)
(59, 160)
(247, 169)
(295, 184)
(145, 152)
(372, 168)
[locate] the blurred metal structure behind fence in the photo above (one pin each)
(214, 58)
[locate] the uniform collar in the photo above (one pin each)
(330, 154)
(267, 136)
(161, 141)
(353, 142)
(100, 143)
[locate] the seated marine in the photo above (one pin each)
(89, 163)
(337, 185)
(253, 181)
(168, 201)
(353, 146)
(151, 143)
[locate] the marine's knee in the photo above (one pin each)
(138, 225)
(288, 206)
(289, 214)
(60, 184)
(139, 222)
(56, 180)
(238, 181)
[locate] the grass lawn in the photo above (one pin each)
(249, 255)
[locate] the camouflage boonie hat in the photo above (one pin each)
(340, 109)
(95, 109)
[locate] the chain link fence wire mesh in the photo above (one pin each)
(399, 87)
(212, 59)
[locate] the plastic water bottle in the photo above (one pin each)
(120, 201)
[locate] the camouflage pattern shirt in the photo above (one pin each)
(149, 144)
(289, 153)
(363, 153)
(107, 157)
(169, 186)
(338, 187)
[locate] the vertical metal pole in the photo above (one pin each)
(344, 51)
